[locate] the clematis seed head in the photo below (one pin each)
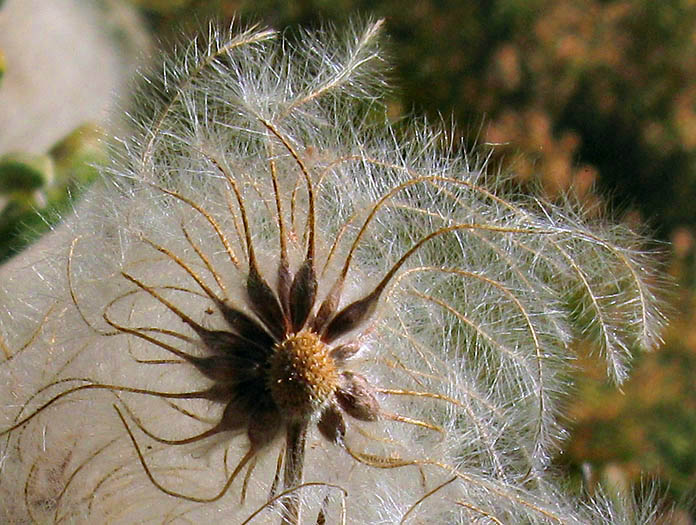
(277, 300)
(302, 375)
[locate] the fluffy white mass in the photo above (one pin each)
(278, 308)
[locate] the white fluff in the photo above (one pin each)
(472, 333)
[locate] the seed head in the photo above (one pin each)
(302, 376)
(278, 308)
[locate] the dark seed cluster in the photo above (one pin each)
(282, 367)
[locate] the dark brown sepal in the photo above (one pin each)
(302, 295)
(221, 342)
(244, 326)
(232, 418)
(215, 367)
(328, 307)
(265, 304)
(284, 283)
(343, 353)
(357, 397)
(332, 425)
(218, 392)
(264, 426)
(350, 317)
(232, 368)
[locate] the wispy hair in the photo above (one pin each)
(279, 304)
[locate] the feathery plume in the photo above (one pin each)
(277, 308)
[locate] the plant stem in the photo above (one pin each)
(294, 464)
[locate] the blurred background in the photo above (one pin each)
(593, 96)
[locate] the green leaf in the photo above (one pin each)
(77, 155)
(24, 172)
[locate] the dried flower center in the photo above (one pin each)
(302, 375)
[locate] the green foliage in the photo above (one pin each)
(21, 173)
(36, 189)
